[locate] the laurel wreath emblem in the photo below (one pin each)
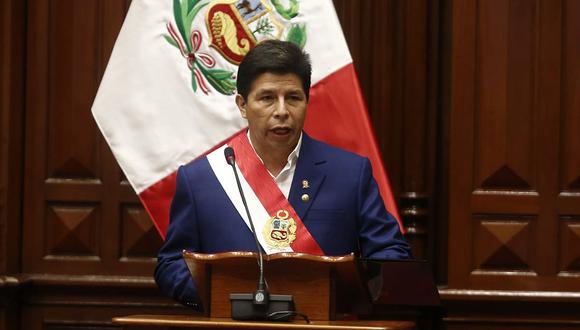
(202, 65)
(188, 42)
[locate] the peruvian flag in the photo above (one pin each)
(167, 95)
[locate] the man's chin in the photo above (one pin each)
(283, 142)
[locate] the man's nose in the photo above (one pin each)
(281, 110)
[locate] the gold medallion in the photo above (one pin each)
(280, 230)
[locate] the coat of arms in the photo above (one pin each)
(233, 27)
(280, 230)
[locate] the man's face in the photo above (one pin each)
(275, 110)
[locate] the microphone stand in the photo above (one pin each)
(261, 296)
(260, 308)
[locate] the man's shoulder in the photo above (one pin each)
(196, 167)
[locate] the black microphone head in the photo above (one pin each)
(230, 156)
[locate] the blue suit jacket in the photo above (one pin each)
(345, 213)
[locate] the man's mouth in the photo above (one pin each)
(281, 130)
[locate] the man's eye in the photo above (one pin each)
(295, 98)
(266, 97)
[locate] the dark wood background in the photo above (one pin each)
(476, 107)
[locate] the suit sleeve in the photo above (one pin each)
(171, 274)
(379, 233)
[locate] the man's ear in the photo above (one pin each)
(241, 103)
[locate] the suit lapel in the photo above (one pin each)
(308, 177)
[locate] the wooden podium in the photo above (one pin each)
(324, 288)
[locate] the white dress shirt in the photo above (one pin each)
(284, 178)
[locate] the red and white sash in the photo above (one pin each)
(265, 200)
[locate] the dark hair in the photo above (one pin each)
(274, 56)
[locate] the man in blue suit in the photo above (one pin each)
(330, 201)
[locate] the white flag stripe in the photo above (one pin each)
(146, 108)
(225, 175)
(326, 44)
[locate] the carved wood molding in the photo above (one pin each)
(508, 295)
(503, 309)
(87, 280)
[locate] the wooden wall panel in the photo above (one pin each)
(76, 219)
(569, 247)
(502, 243)
(513, 209)
(72, 62)
(140, 239)
(504, 95)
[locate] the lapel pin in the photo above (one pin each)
(305, 184)
(305, 198)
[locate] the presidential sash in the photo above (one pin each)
(278, 226)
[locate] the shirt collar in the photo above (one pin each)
(292, 157)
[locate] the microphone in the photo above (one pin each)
(261, 296)
(275, 307)
(231, 158)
